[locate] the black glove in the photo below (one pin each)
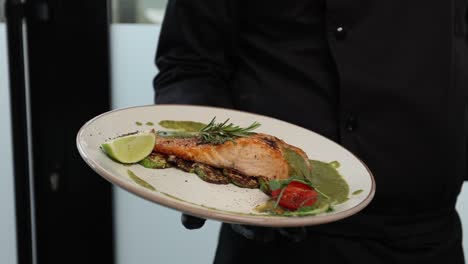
(192, 222)
(257, 233)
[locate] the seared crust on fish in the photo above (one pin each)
(258, 155)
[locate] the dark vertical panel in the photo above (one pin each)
(69, 81)
(14, 11)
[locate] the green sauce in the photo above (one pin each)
(187, 126)
(357, 192)
(328, 180)
(140, 181)
(324, 176)
(138, 123)
(175, 198)
(176, 134)
(297, 165)
(335, 164)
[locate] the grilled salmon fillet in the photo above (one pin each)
(258, 155)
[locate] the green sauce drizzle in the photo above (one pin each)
(357, 192)
(175, 198)
(140, 181)
(335, 164)
(187, 126)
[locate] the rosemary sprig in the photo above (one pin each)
(218, 133)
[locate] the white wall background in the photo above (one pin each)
(7, 209)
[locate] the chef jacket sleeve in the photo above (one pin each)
(194, 54)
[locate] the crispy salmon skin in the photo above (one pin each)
(257, 155)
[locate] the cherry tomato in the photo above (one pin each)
(295, 195)
(275, 193)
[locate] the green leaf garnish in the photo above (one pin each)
(278, 184)
(321, 206)
(264, 185)
(275, 184)
(279, 198)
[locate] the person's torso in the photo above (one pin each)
(382, 78)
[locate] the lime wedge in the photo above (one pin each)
(131, 148)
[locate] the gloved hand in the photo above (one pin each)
(257, 233)
(192, 222)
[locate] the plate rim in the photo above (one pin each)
(214, 214)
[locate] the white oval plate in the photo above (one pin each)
(227, 203)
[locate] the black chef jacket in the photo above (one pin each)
(386, 79)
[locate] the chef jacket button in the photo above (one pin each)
(351, 123)
(340, 32)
